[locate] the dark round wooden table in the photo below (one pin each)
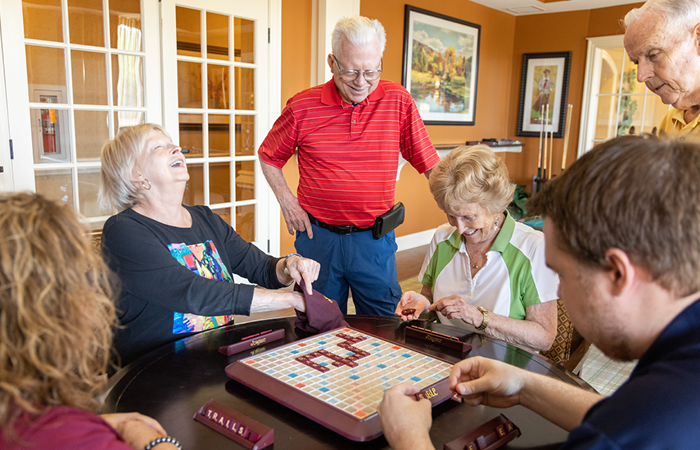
(173, 382)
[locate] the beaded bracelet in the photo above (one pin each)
(160, 440)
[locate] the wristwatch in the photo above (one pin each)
(284, 264)
(485, 323)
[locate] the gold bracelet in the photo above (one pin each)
(485, 322)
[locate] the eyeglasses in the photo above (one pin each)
(351, 75)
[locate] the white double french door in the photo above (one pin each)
(76, 71)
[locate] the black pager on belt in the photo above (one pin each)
(388, 221)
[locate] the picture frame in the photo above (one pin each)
(542, 73)
(441, 66)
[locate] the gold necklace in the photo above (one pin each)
(474, 263)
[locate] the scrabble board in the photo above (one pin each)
(338, 378)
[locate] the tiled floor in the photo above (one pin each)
(604, 374)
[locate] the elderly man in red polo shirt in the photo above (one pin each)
(349, 133)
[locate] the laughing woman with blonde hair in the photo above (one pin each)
(56, 325)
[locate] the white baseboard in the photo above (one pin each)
(415, 240)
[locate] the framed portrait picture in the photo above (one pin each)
(441, 66)
(543, 92)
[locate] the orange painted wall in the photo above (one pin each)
(504, 40)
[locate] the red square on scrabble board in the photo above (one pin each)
(338, 378)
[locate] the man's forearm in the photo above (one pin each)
(558, 402)
(275, 178)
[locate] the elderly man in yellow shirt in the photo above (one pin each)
(663, 39)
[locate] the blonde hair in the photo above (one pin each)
(471, 175)
(56, 313)
(119, 158)
(358, 30)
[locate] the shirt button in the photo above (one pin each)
(354, 121)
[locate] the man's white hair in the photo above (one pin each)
(358, 30)
(680, 15)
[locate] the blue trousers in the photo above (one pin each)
(357, 261)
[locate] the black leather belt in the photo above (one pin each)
(337, 229)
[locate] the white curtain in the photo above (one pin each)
(130, 82)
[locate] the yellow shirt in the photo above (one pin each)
(673, 123)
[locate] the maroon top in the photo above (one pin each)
(64, 428)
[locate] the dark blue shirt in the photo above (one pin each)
(659, 405)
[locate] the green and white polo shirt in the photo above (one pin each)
(514, 277)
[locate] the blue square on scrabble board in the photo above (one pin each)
(416, 379)
(381, 366)
(292, 375)
(354, 377)
(406, 355)
(324, 389)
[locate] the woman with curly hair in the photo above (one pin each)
(56, 325)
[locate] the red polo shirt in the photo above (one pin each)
(349, 155)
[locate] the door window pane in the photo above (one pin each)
(245, 222)
(91, 132)
(191, 138)
(55, 185)
(189, 84)
(655, 111)
(189, 28)
(219, 135)
(45, 69)
(605, 120)
(127, 80)
(85, 22)
(245, 135)
(42, 20)
(217, 36)
(245, 180)
(218, 87)
(224, 213)
(127, 119)
(194, 191)
(88, 185)
(245, 88)
(220, 182)
(611, 66)
(629, 80)
(629, 120)
(244, 43)
(50, 133)
(125, 24)
(89, 78)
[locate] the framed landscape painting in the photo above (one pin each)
(440, 66)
